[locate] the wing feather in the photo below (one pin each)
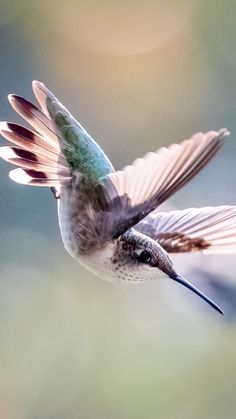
(138, 189)
(209, 229)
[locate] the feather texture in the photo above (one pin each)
(29, 160)
(34, 153)
(36, 118)
(82, 153)
(209, 229)
(164, 172)
(57, 136)
(37, 178)
(137, 190)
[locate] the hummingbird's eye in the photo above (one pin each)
(145, 256)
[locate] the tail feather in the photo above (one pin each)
(37, 153)
(60, 145)
(27, 159)
(37, 119)
(26, 139)
(37, 178)
(40, 96)
(47, 99)
(82, 153)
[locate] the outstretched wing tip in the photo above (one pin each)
(223, 133)
(38, 86)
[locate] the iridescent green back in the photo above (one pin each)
(83, 154)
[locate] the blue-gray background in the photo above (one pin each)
(137, 74)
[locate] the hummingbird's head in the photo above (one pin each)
(137, 257)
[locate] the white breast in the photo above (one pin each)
(100, 263)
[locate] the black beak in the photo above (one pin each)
(191, 287)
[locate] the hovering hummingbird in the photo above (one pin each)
(108, 219)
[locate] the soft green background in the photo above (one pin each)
(137, 74)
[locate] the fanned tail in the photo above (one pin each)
(37, 153)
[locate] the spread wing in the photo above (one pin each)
(137, 190)
(210, 229)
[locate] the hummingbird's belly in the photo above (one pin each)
(75, 217)
(67, 229)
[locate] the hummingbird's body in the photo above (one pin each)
(82, 240)
(108, 219)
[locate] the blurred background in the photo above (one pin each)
(137, 75)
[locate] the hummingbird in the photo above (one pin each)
(109, 220)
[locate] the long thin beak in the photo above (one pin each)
(191, 287)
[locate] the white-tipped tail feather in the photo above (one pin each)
(37, 119)
(36, 178)
(38, 152)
